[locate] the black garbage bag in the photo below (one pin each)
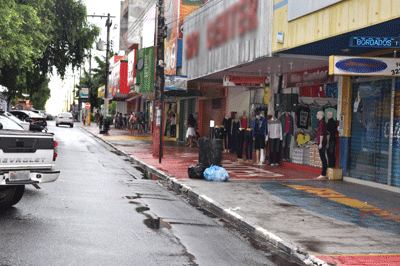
(210, 151)
(196, 171)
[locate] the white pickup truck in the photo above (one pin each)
(26, 158)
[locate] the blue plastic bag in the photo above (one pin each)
(216, 173)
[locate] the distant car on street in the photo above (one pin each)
(37, 122)
(65, 119)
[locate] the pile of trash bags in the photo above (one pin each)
(213, 173)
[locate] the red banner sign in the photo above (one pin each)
(309, 77)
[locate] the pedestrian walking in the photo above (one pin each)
(191, 132)
(172, 132)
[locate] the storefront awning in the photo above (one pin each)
(133, 98)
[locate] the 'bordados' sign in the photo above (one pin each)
(364, 66)
(375, 42)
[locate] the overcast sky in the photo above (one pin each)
(59, 89)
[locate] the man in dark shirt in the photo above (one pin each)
(322, 141)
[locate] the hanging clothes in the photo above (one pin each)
(303, 116)
(331, 90)
(313, 115)
(330, 109)
(287, 132)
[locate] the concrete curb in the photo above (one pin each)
(202, 201)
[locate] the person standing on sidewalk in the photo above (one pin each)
(322, 133)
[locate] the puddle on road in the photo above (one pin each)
(150, 222)
(142, 209)
(277, 258)
(156, 223)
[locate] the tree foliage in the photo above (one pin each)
(38, 35)
(98, 80)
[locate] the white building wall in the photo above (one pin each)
(121, 107)
(238, 100)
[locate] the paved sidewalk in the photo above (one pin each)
(319, 222)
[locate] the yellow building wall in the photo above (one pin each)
(334, 20)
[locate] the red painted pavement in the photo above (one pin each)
(177, 159)
(363, 260)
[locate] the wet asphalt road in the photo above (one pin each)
(101, 212)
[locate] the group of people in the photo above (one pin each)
(170, 124)
(130, 122)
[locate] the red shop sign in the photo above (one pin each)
(309, 77)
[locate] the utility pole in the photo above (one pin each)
(108, 25)
(90, 88)
(160, 82)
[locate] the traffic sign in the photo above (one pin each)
(87, 105)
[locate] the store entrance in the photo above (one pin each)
(370, 126)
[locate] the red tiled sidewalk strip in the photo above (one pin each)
(362, 260)
(176, 160)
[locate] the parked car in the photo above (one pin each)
(36, 122)
(65, 119)
(25, 125)
(27, 158)
(40, 112)
(8, 124)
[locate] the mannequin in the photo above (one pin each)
(287, 131)
(235, 129)
(331, 139)
(227, 134)
(259, 132)
(274, 136)
(322, 142)
(244, 120)
(248, 137)
(240, 137)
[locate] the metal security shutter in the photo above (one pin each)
(369, 130)
(395, 181)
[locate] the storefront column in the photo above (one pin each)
(200, 107)
(389, 178)
(345, 129)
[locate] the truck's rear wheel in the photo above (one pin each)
(10, 195)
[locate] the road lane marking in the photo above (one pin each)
(348, 201)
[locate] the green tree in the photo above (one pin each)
(40, 95)
(98, 80)
(40, 35)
